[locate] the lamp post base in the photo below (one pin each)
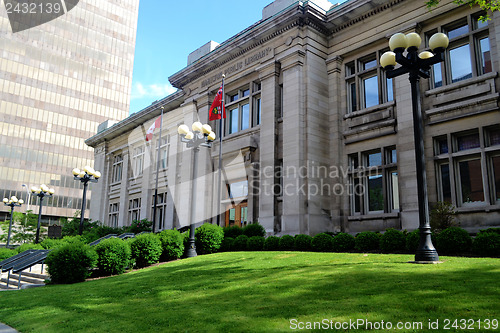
(191, 250)
(427, 255)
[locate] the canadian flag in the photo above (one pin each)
(149, 132)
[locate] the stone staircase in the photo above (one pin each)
(29, 279)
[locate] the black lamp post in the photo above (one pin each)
(41, 192)
(417, 66)
(85, 176)
(13, 202)
(201, 135)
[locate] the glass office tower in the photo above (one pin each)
(58, 81)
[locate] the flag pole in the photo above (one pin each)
(219, 194)
(157, 172)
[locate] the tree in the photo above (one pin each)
(23, 228)
(486, 5)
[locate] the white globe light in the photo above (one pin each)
(14, 199)
(91, 171)
(76, 171)
(207, 129)
(82, 174)
(438, 41)
(190, 136)
(425, 55)
(21, 201)
(5, 200)
(97, 175)
(33, 189)
(211, 136)
(388, 59)
(397, 41)
(51, 191)
(197, 126)
(44, 188)
(413, 40)
(183, 129)
(86, 169)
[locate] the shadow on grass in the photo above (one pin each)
(261, 292)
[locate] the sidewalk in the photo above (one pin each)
(6, 329)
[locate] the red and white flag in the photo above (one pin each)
(149, 132)
(217, 106)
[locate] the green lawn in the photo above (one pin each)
(264, 292)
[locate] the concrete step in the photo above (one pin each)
(27, 279)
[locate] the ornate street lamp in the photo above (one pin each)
(41, 192)
(417, 66)
(13, 202)
(85, 176)
(201, 135)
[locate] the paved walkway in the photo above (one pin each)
(6, 329)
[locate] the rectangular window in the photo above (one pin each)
(244, 109)
(471, 182)
(445, 182)
(164, 151)
(469, 141)
(113, 215)
(138, 161)
(161, 208)
(390, 90)
(238, 189)
(484, 50)
(370, 91)
(375, 190)
(257, 111)
(495, 163)
(117, 169)
(461, 67)
(233, 120)
(245, 116)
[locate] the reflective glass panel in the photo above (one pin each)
(375, 159)
(395, 191)
(458, 31)
(484, 45)
(375, 194)
(495, 161)
(390, 90)
(471, 181)
(445, 182)
(370, 89)
(469, 141)
(245, 116)
(233, 121)
(370, 64)
(461, 67)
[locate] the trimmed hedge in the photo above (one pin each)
(172, 244)
(50, 243)
(343, 242)
(453, 240)
(286, 243)
(392, 241)
(146, 249)
(487, 244)
(367, 241)
(233, 231)
(302, 243)
(28, 246)
(254, 229)
(272, 243)
(113, 256)
(412, 241)
(322, 243)
(6, 253)
(208, 238)
(227, 244)
(240, 243)
(70, 263)
(255, 243)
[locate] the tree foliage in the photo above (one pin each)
(486, 5)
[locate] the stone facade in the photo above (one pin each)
(316, 137)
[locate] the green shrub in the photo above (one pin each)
(70, 263)
(487, 244)
(392, 241)
(172, 244)
(254, 229)
(50, 243)
(322, 243)
(343, 242)
(367, 241)
(28, 246)
(494, 230)
(233, 231)
(6, 253)
(412, 241)
(139, 226)
(442, 216)
(272, 243)
(113, 256)
(227, 244)
(146, 249)
(74, 239)
(208, 238)
(240, 243)
(302, 243)
(255, 243)
(453, 240)
(286, 243)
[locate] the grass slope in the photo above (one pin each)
(262, 292)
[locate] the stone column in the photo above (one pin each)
(98, 198)
(270, 100)
(294, 184)
(123, 209)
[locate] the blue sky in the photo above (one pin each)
(168, 31)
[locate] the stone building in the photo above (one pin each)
(58, 81)
(316, 137)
